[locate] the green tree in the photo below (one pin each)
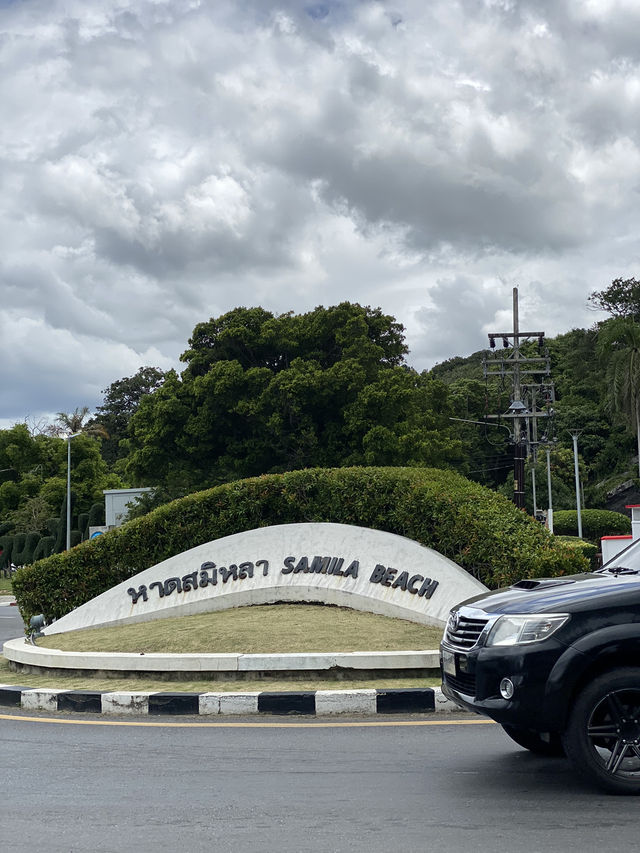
(268, 394)
(70, 423)
(619, 347)
(33, 514)
(121, 399)
(621, 298)
(255, 337)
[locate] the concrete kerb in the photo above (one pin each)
(364, 702)
(320, 702)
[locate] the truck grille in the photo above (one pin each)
(464, 633)
(463, 683)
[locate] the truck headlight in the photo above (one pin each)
(516, 630)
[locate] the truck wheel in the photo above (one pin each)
(541, 743)
(602, 739)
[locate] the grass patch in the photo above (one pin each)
(267, 629)
(264, 629)
(5, 586)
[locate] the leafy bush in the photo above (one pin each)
(587, 549)
(595, 523)
(480, 530)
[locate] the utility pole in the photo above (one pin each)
(527, 386)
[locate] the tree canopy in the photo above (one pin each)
(264, 393)
(621, 298)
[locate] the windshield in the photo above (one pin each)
(626, 562)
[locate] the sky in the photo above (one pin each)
(164, 161)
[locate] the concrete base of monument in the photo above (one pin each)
(23, 656)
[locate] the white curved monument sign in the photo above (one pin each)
(338, 564)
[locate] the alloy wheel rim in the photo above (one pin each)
(613, 732)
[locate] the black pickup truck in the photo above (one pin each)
(557, 663)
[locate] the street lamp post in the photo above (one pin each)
(576, 469)
(549, 495)
(68, 440)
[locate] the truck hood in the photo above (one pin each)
(561, 594)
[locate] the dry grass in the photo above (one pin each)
(246, 630)
(266, 629)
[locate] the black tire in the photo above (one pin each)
(541, 743)
(602, 739)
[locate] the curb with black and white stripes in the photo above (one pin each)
(316, 702)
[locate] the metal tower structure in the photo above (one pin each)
(531, 392)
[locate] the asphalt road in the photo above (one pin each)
(11, 625)
(322, 787)
(296, 784)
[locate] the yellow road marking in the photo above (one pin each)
(236, 725)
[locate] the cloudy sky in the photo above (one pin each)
(163, 161)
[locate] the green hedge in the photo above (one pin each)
(587, 549)
(475, 527)
(595, 523)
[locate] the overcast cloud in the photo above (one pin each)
(163, 161)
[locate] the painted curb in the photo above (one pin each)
(428, 700)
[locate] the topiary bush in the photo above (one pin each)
(44, 548)
(96, 515)
(25, 555)
(596, 523)
(6, 544)
(19, 540)
(83, 524)
(480, 530)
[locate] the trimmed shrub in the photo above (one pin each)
(83, 524)
(587, 549)
(96, 515)
(25, 556)
(44, 548)
(480, 530)
(6, 543)
(19, 540)
(595, 523)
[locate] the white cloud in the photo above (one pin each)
(162, 161)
